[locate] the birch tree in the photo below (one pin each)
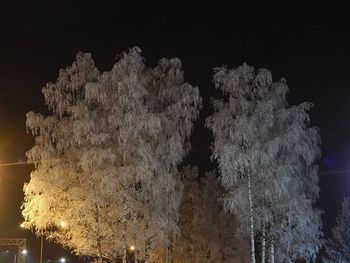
(64, 189)
(338, 248)
(266, 152)
(100, 150)
(177, 104)
(121, 93)
(206, 230)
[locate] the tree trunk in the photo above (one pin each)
(100, 257)
(166, 259)
(263, 245)
(272, 251)
(148, 251)
(252, 240)
(99, 245)
(167, 253)
(124, 236)
(167, 222)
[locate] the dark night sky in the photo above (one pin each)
(304, 44)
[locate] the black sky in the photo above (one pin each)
(307, 44)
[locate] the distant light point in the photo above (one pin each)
(63, 224)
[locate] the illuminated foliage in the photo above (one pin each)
(106, 158)
(266, 151)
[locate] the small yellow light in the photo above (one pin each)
(63, 224)
(22, 225)
(132, 248)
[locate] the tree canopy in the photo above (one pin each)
(106, 151)
(266, 151)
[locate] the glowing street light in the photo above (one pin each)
(132, 248)
(62, 260)
(63, 224)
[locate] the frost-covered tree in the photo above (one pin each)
(266, 151)
(119, 96)
(177, 105)
(338, 248)
(100, 164)
(206, 230)
(62, 187)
